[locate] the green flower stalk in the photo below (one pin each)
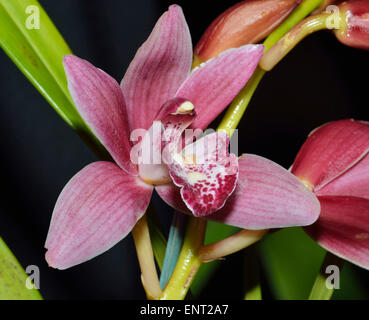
(349, 22)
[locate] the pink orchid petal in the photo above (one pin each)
(206, 173)
(100, 102)
(171, 194)
(97, 208)
(331, 150)
(213, 86)
(267, 196)
(163, 138)
(354, 182)
(160, 66)
(343, 228)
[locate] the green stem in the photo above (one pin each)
(292, 38)
(149, 276)
(229, 245)
(320, 290)
(188, 261)
(238, 107)
(302, 11)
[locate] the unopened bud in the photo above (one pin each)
(246, 22)
(354, 29)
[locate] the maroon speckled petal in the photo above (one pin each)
(206, 173)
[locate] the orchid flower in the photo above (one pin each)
(334, 164)
(101, 204)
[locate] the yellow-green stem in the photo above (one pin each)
(188, 261)
(149, 276)
(301, 11)
(238, 107)
(232, 244)
(291, 39)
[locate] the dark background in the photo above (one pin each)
(320, 81)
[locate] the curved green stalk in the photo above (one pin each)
(292, 38)
(301, 11)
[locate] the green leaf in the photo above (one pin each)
(13, 278)
(38, 53)
(292, 261)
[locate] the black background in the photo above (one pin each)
(320, 81)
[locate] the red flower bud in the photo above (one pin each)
(246, 22)
(354, 31)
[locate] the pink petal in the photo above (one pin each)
(331, 150)
(267, 196)
(97, 208)
(171, 194)
(354, 182)
(160, 66)
(100, 102)
(164, 137)
(213, 86)
(206, 173)
(343, 228)
(151, 167)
